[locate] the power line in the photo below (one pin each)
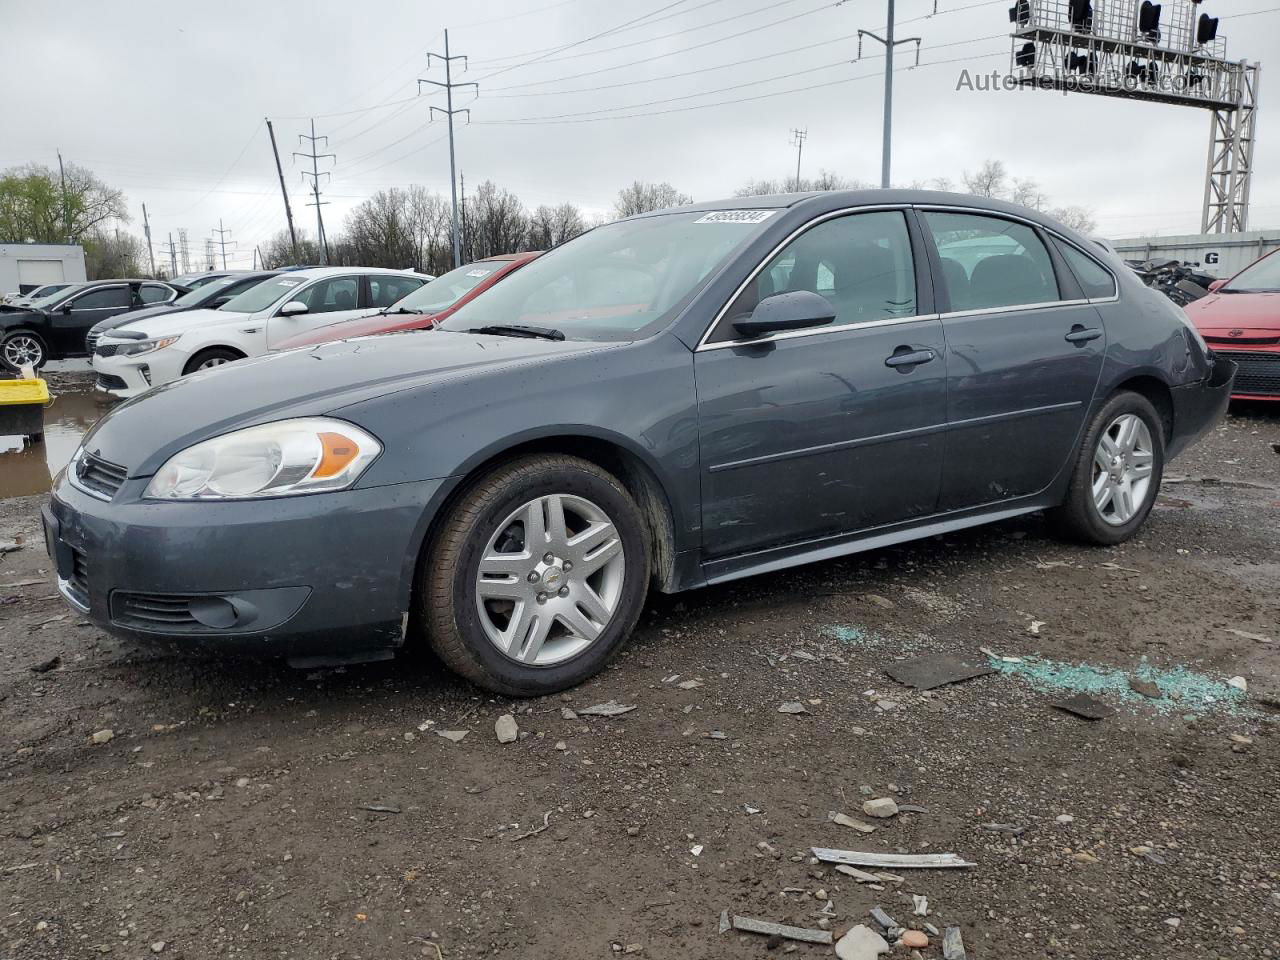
(449, 112)
(798, 137)
(315, 174)
(222, 241)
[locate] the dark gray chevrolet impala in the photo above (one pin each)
(673, 400)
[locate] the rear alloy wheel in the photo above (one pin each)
(22, 348)
(537, 576)
(1117, 473)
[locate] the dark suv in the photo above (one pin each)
(54, 328)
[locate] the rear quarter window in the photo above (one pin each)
(1095, 280)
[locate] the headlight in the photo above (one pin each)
(135, 347)
(307, 455)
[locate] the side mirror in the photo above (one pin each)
(220, 301)
(787, 311)
(293, 308)
(66, 307)
(1217, 285)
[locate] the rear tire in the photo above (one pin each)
(566, 563)
(22, 346)
(1116, 475)
(211, 357)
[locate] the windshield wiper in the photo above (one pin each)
(519, 330)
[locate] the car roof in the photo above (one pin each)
(315, 272)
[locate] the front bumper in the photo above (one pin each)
(129, 376)
(1259, 375)
(322, 575)
(1197, 407)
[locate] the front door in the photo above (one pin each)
(71, 325)
(815, 433)
(328, 300)
(1024, 353)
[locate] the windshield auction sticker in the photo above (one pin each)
(736, 216)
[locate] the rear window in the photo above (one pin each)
(1095, 280)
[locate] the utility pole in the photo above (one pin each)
(448, 86)
(889, 44)
(186, 250)
(222, 242)
(62, 180)
(463, 209)
(315, 173)
(146, 228)
(288, 212)
(173, 257)
(798, 137)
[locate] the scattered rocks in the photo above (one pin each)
(1146, 688)
(914, 939)
(454, 735)
(158, 946)
(103, 736)
(882, 808)
(952, 945)
(793, 706)
(847, 821)
(505, 729)
(1239, 683)
(45, 666)
(921, 905)
(689, 684)
(610, 708)
(567, 714)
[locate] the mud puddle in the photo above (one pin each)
(28, 466)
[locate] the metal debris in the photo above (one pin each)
(611, 708)
(1245, 634)
(886, 922)
(952, 945)
(546, 822)
(860, 875)
(725, 925)
(804, 935)
(379, 808)
(928, 672)
(891, 861)
(1083, 705)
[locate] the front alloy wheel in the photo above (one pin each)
(22, 349)
(536, 575)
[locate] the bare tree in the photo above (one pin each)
(1027, 193)
(278, 251)
(643, 197)
(1079, 219)
(430, 226)
(825, 180)
(379, 232)
(551, 226)
(991, 180)
(496, 222)
(110, 253)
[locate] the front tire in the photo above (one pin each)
(1116, 475)
(210, 358)
(537, 576)
(22, 347)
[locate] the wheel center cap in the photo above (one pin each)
(553, 577)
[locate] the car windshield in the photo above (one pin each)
(622, 281)
(49, 299)
(263, 295)
(1261, 277)
(448, 288)
(210, 291)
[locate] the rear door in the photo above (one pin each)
(72, 320)
(328, 300)
(816, 433)
(1024, 354)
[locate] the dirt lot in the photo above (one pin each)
(227, 815)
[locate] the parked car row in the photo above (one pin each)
(672, 400)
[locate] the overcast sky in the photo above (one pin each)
(166, 101)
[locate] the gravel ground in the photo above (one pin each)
(242, 809)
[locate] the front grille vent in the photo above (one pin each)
(99, 476)
(152, 611)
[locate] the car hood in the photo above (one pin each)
(144, 432)
(133, 316)
(13, 315)
(1227, 311)
(169, 323)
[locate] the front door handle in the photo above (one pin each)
(906, 357)
(1082, 335)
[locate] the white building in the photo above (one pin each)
(25, 266)
(1218, 254)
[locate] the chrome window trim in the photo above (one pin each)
(1014, 308)
(815, 331)
(782, 245)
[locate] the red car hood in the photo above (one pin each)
(360, 327)
(1256, 314)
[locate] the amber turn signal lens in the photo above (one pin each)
(338, 452)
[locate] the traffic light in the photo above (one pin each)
(1149, 21)
(1020, 12)
(1081, 12)
(1025, 57)
(1206, 29)
(1079, 63)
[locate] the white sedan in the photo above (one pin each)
(135, 357)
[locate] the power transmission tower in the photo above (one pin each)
(448, 111)
(222, 242)
(315, 173)
(146, 228)
(798, 137)
(173, 257)
(288, 211)
(890, 44)
(210, 254)
(186, 250)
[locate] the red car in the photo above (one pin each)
(426, 306)
(1240, 318)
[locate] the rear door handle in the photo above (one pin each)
(1081, 334)
(906, 357)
